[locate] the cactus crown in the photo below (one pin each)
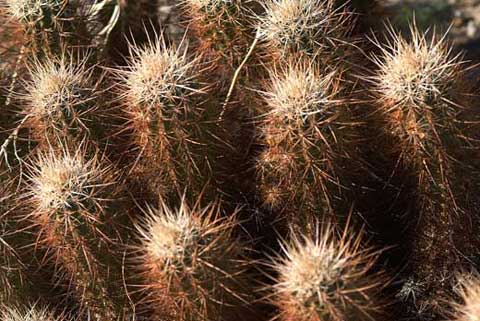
(64, 182)
(31, 11)
(180, 241)
(159, 75)
(308, 26)
(317, 277)
(416, 71)
(299, 93)
(32, 314)
(191, 260)
(469, 291)
(59, 92)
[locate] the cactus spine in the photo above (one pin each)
(68, 196)
(302, 132)
(423, 100)
(160, 88)
(326, 278)
(28, 314)
(60, 101)
(305, 125)
(223, 27)
(192, 263)
(52, 24)
(312, 28)
(468, 288)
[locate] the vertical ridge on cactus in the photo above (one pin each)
(161, 88)
(59, 100)
(192, 263)
(315, 28)
(424, 102)
(223, 28)
(326, 277)
(68, 195)
(304, 131)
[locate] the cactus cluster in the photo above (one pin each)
(253, 169)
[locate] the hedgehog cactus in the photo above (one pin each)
(326, 277)
(224, 28)
(54, 23)
(313, 28)
(263, 111)
(34, 11)
(305, 126)
(192, 263)
(161, 100)
(469, 291)
(28, 314)
(68, 196)
(60, 101)
(304, 131)
(423, 100)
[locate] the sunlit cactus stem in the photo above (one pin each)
(192, 264)
(53, 24)
(327, 277)
(161, 98)
(314, 29)
(60, 100)
(68, 201)
(32, 313)
(223, 27)
(423, 99)
(305, 134)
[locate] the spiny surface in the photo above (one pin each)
(309, 26)
(158, 75)
(59, 98)
(192, 261)
(326, 278)
(31, 314)
(469, 291)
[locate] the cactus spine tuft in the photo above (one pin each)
(192, 262)
(326, 278)
(160, 87)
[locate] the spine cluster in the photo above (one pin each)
(192, 263)
(68, 196)
(230, 174)
(423, 98)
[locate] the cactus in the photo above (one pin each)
(224, 29)
(424, 101)
(67, 195)
(326, 277)
(61, 100)
(28, 314)
(51, 24)
(192, 263)
(469, 291)
(160, 92)
(304, 130)
(256, 115)
(315, 28)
